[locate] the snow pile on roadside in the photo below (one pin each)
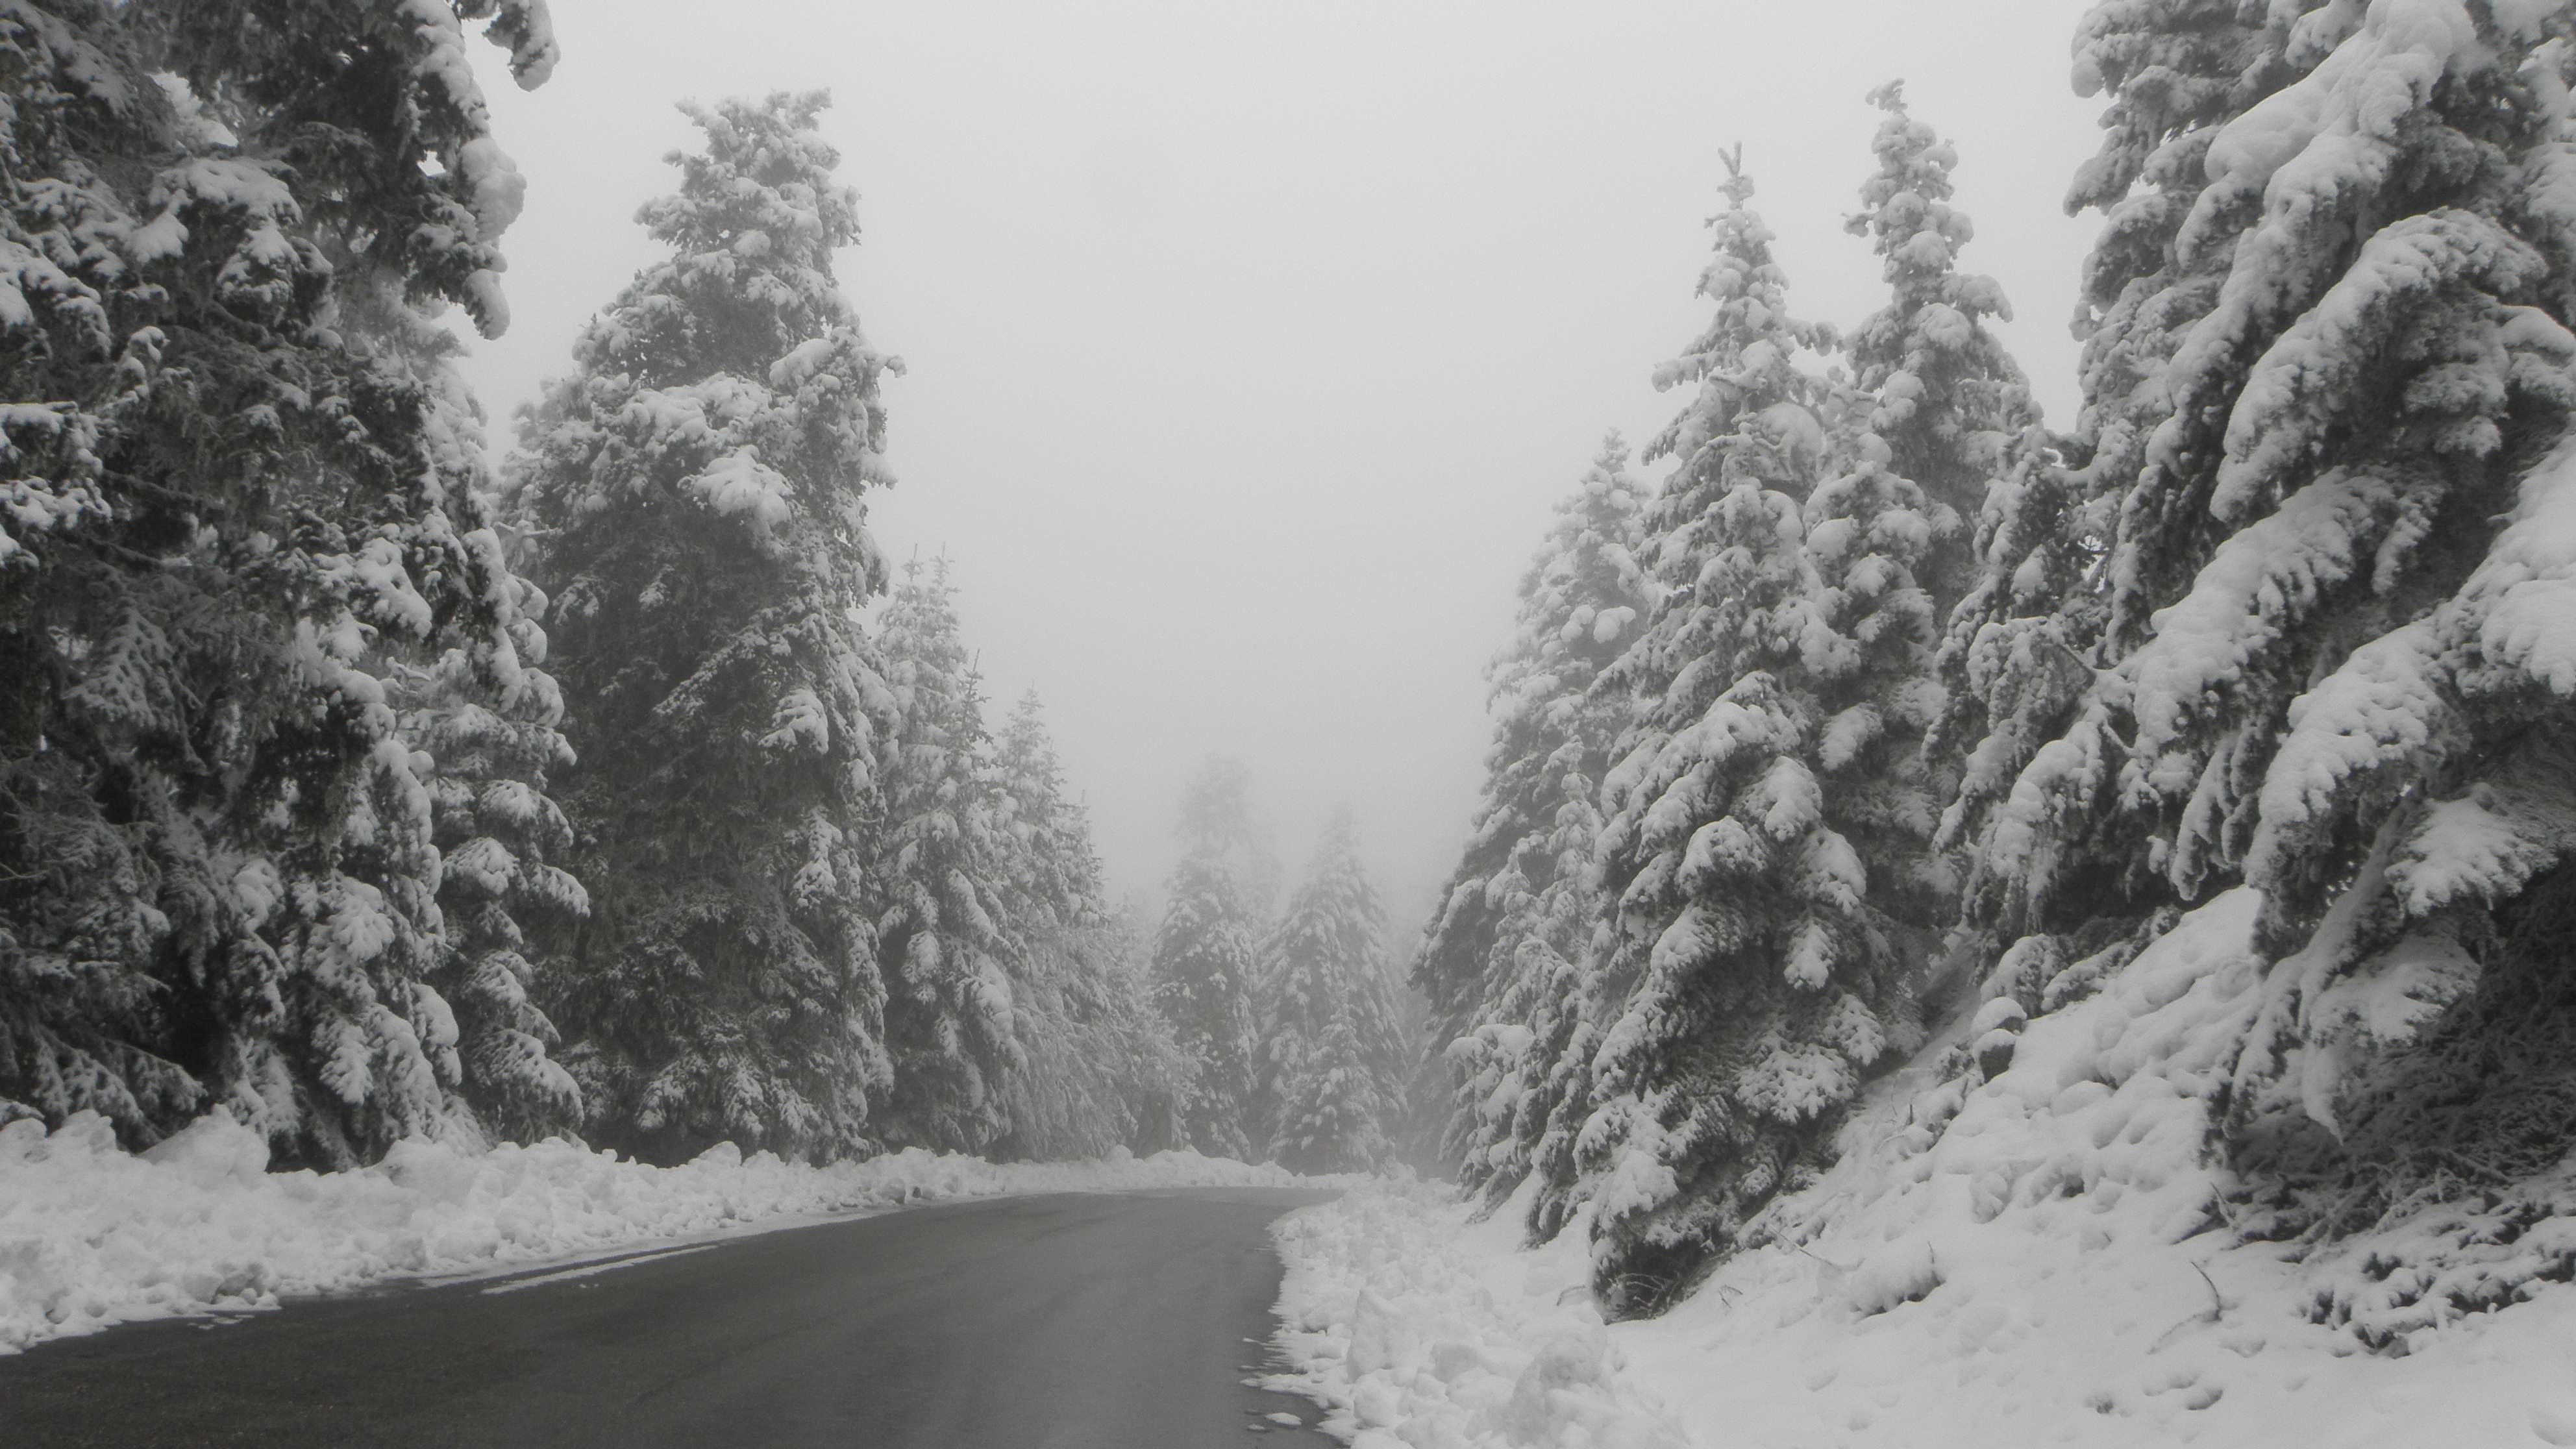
(1415, 1329)
(91, 1235)
(2041, 1258)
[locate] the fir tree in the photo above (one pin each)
(1098, 1065)
(1766, 829)
(1943, 394)
(1206, 963)
(224, 522)
(2344, 422)
(2327, 665)
(1955, 415)
(1054, 873)
(488, 718)
(1334, 1060)
(2176, 72)
(945, 941)
(1502, 961)
(696, 487)
(1218, 819)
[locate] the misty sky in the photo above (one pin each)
(1248, 346)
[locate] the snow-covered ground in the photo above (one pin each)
(91, 1235)
(2040, 1259)
(1414, 1327)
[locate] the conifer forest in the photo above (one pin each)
(2016, 892)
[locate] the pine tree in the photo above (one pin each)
(1206, 963)
(488, 718)
(695, 487)
(1955, 414)
(1099, 1067)
(2022, 650)
(223, 521)
(945, 941)
(2329, 663)
(1943, 411)
(1502, 961)
(1944, 396)
(1334, 1060)
(2367, 385)
(488, 721)
(2176, 73)
(1054, 872)
(1767, 827)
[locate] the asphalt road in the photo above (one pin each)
(1060, 1322)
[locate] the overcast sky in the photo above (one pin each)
(1248, 346)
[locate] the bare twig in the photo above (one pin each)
(2217, 1305)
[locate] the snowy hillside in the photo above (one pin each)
(2049, 1256)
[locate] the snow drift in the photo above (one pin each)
(92, 1236)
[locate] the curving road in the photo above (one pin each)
(1059, 1322)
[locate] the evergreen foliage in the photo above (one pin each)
(1334, 1062)
(488, 717)
(948, 945)
(1502, 962)
(1098, 1066)
(2282, 612)
(1206, 963)
(219, 875)
(1767, 819)
(2326, 667)
(695, 487)
(1663, 1001)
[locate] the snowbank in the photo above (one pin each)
(2041, 1258)
(1413, 1328)
(91, 1235)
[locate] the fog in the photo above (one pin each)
(1248, 347)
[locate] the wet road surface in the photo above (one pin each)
(1072, 1321)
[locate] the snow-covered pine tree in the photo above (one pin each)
(489, 723)
(2176, 72)
(1943, 394)
(1766, 839)
(1942, 424)
(222, 519)
(1206, 963)
(1098, 1067)
(2014, 661)
(695, 487)
(1956, 416)
(1054, 872)
(487, 717)
(1502, 959)
(945, 942)
(2333, 661)
(1333, 1057)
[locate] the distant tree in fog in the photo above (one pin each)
(1098, 1066)
(1205, 962)
(1334, 1061)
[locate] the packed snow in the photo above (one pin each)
(1413, 1327)
(91, 1235)
(2040, 1258)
